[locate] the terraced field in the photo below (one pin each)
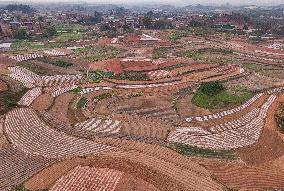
(130, 123)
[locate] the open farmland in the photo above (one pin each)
(112, 100)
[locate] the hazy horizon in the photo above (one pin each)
(163, 2)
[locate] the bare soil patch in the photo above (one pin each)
(269, 147)
(3, 86)
(61, 105)
(43, 102)
(185, 107)
(244, 177)
(130, 183)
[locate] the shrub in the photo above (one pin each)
(135, 94)
(77, 90)
(59, 63)
(211, 88)
(82, 102)
(103, 96)
(203, 152)
(280, 119)
(99, 74)
(222, 99)
(132, 76)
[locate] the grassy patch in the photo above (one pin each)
(37, 69)
(82, 50)
(222, 99)
(160, 52)
(22, 188)
(210, 55)
(138, 94)
(26, 44)
(104, 96)
(202, 152)
(69, 36)
(280, 118)
(94, 58)
(97, 53)
(253, 67)
(76, 90)
(132, 76)
(9, 100)
(59, 63)
(82, 103)
(174, 36)
(169, 68)
(99, 74)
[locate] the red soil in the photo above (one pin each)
(247, 177)
(130, 183)
(3, 86)
(270, 145)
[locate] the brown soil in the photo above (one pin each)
(130, 183)
(146, 101)
(43, 102)
(132, 163)
(185, 107)
(270, 145)
(47, 177)
(112, 65)
(3, 141)
(61, 105)
(50, 69)
(3, 86)
(244, 177)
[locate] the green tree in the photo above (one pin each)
(211, 88)
(147, 22)
(20, 34)
(49, 32)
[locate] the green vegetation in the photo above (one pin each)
(138, 94)
(169, 68)
(49, 32)
(99, 74)
(150, 23)
(202, 152)
(174, 36)
(160, 52)
(59, 63)
(69, 36)
(69, 27)
(280, 118)
(77, 90)
(82, 50)
(211, 88)
(104, 96)
(20, 34)
(82, 103)
(98, 53)
(26, 44)
(132, 76)
(93, 58)
(37, 68)
(210, 55)
(213, 95)
(253, 67)
(22, 188)
(9, 100)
